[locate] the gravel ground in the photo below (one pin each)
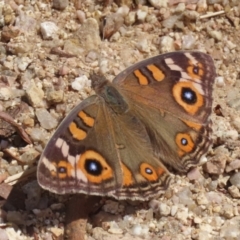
(47, 50)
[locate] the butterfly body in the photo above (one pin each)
(121, 141)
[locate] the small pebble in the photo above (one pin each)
(49, 30)
(220, 81)
(158, 3)
(141, 15)
(60, 4)
(46, 119)
(80, 83)
(235, 179)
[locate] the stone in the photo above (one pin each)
(46, 120)
(164, 209)
(233, 165)
(235, 179)
(202, 199)
(188, 42)
(35, 95)
(80, 83)
(180, 8)
(220, 81)
(230, 228)
(159, 3)
(23, 63)
(48, 30)
(114, 228)
(29, 155)
(55, 96)
(111, 207)
(60, 4)
(88, 35)
(182, 214)
(112, 24)
(234, 191)
(5, 93)
(167, 44)
(141, 15)
(217, 35)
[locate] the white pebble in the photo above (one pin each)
(137, 230)
(23, 63)
(231, 134)
(80, 83)
(188, 41)
(141, 15)
(5, 93)
(124, 10)
(159, 3)
(180, 8)
(154, 204)
(174, 210)
(81, 16)
(220, 81)
(164, 209)
(215, 34)
(143, 45)
(48, 30)
(182, 214)
(167, 44)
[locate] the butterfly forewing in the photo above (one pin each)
(172, 95)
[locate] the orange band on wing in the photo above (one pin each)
(157, 73)
(127, 176)
(76, 132)
(141, 78)
(88, 120)
(193, 125)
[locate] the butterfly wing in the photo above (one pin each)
(172, 95)
(73, 161)
(97, 152)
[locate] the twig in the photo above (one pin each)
(212, 14)
(20, 176)
(7, 151)
(6, 117)
(61, 53)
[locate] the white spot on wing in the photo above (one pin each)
(77, 158)
(81, 176)
(73, 173)
(59, 142)
(65, 149)
(186, 76)
(198, 86)
(193, 59)
(71, 160)
(172, 65)
(169, 61)
(50, 166)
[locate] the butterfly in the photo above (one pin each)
(123, 141)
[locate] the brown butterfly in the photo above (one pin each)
(122, 141)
